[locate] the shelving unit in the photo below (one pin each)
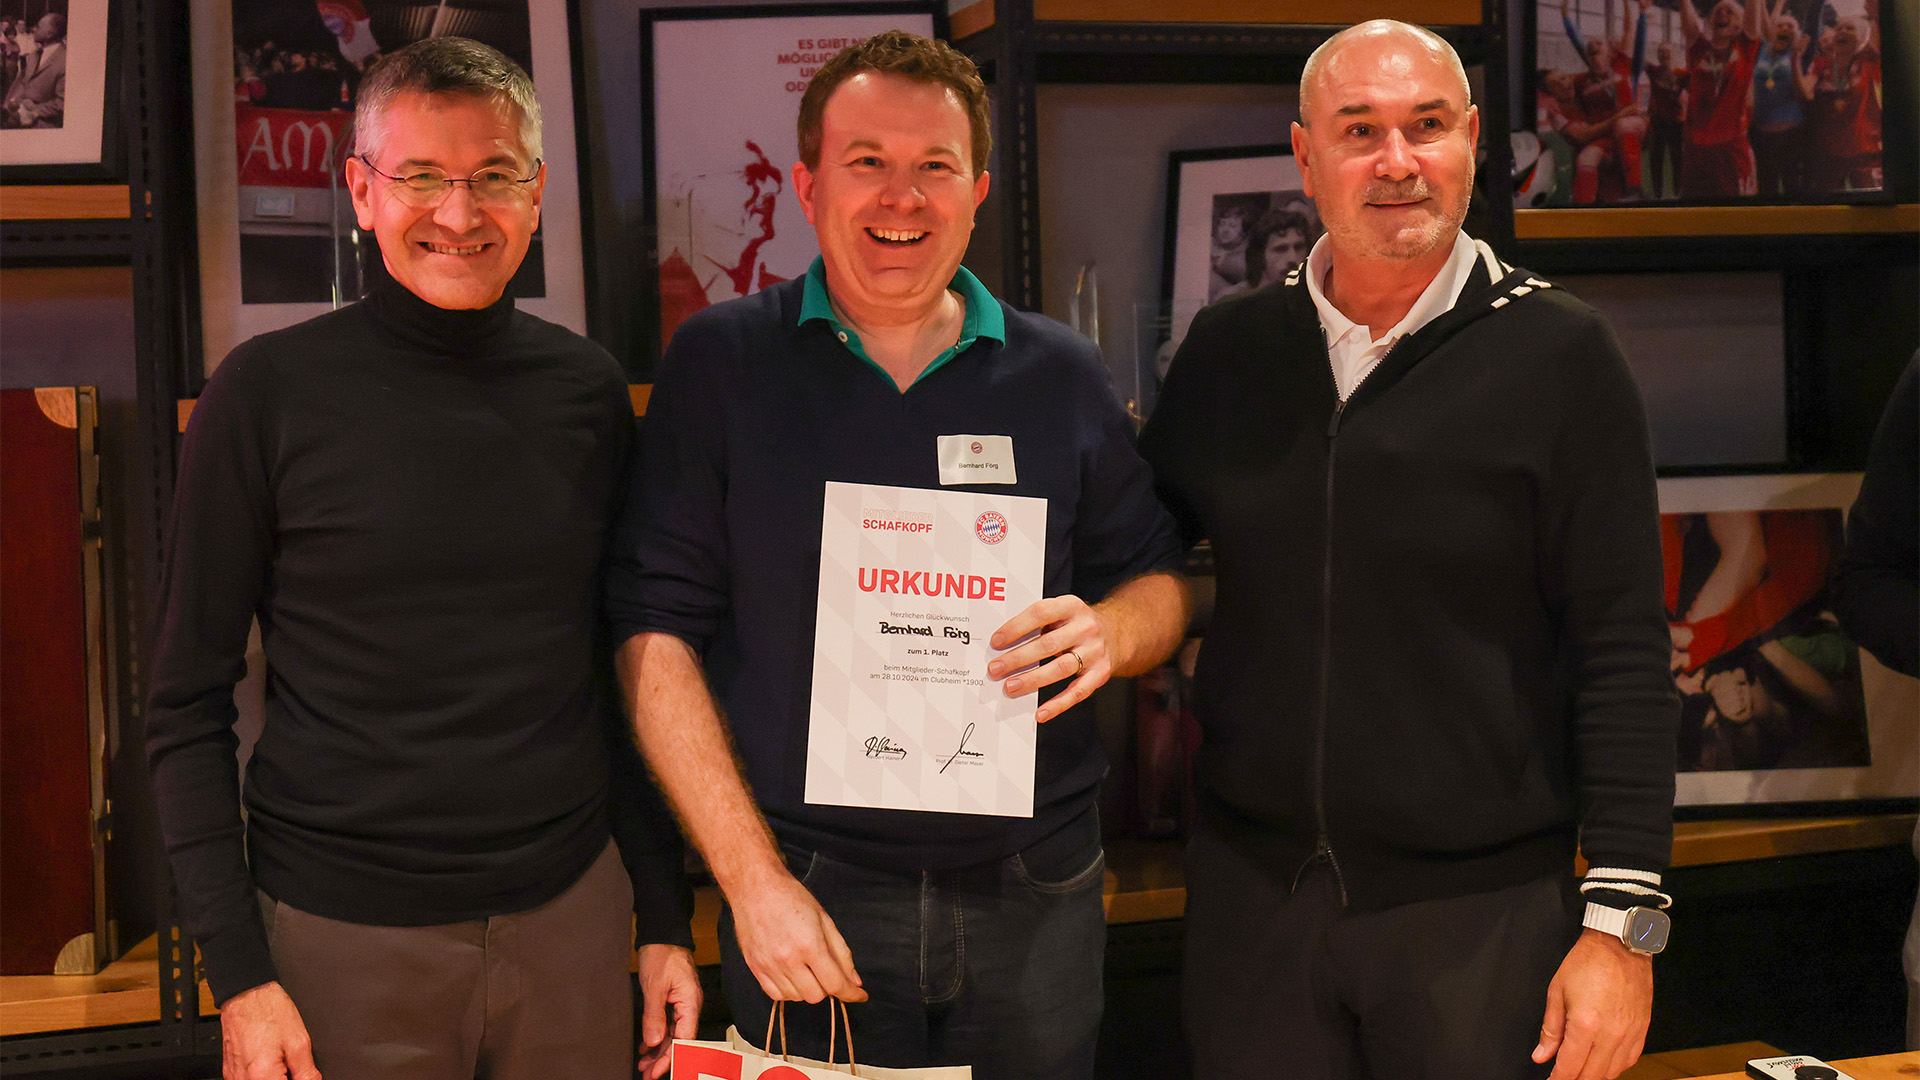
(147, 223)
(142, 220)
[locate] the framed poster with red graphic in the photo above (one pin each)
(275, 84)
(721, 90)
(1780, 711)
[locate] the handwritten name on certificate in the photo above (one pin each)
(913, 583)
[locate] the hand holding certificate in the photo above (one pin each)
(905, 714)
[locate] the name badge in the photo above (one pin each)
(977, 459)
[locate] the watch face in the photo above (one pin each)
(1647, 930)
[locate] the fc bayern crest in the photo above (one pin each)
(991, 528)
(977, 448)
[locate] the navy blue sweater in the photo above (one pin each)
(750, 416)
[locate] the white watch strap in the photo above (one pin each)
(1608, 920)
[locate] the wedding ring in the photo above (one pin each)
(1079, 665)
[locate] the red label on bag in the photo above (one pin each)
(704, 1061)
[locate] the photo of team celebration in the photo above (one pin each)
(1706, 101)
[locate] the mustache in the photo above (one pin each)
(1412, 189)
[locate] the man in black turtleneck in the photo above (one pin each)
(412, 495)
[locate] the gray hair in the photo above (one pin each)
(443, 65)
(1434, 43)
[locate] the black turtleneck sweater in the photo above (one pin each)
(414, 502)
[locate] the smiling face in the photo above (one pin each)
(893, 198)
(1386, 150)
(1230, 228)
(1848, 35)
(459, 253)
(1785, 29)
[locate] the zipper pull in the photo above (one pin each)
(1333, 422)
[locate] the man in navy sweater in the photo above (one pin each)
(1437, 660)
(413, 494)
(972, 938)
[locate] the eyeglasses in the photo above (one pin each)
(424, 187)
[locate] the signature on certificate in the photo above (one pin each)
(962, 752)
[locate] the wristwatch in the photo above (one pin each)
(1642, 930)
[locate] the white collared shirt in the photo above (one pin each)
(1352, 347)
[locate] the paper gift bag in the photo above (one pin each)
(737, 1059)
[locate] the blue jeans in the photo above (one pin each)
(996, 966)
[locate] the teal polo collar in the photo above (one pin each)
(984, 318)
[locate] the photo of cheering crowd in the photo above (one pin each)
(1258, 236)
(33, 63)
(1767, 679)
(1706, 101)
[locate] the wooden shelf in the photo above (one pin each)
(1264, 12)
(1144, 883)
(1883, 1067)
(1679, 1064)
(1700, 843)
(1145, 880)
(127, 991)
(65, 202)
(638, 393)
(1624, 222)
(979, 16)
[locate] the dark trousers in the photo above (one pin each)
(534, 995)
(1287, 982)
(996, 966)
(1777, 159)
(1663, 156)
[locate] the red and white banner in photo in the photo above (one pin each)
(291, 147)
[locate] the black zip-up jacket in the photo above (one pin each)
(1439, 654)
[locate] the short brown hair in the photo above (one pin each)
(443, 65)
(911, 56)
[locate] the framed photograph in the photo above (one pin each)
(274, 89)
(1781, 711)
(59, 91)
(1237, 220)
(1704, 103)
(720, 90)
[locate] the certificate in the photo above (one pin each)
(913, 583)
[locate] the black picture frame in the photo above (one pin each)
(645, 311)
(1197, 183)
(111, 166)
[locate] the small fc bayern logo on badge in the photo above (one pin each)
(977, 448)
(991, 528)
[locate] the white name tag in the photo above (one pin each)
(977, 459)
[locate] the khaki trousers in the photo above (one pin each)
(543, 994)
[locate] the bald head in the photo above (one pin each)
(1418, 40)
